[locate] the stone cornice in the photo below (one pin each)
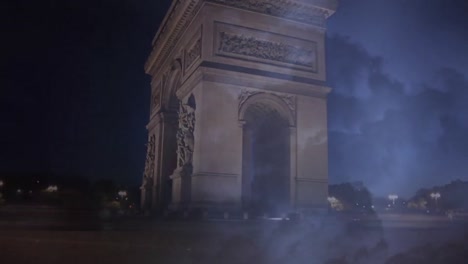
(179, 16)
(182, 12)
(263, 83)
(313, 12)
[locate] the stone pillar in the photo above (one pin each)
(246, 177)
(148, 175)
(181, 188)
(166, 162)
(181, 176)
(146, 195)
(292, 165)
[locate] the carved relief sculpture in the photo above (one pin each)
(156, 98)
(246, 94)
(192, 54)
(267, 50)
(183, 12)
(149, 163)
(185, 135)
(288, 99)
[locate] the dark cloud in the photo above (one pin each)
(390, 138)
(414, 37)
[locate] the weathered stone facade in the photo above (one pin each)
(225, 75)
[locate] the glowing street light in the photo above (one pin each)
(1, 183)
(392, 197)
(335, 204)
(332, 200)
(51, 188)
(435, 196)
(122, 194)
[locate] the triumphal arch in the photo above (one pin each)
(238, 116)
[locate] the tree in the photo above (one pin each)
(354, 197)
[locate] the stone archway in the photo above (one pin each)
(270, 79)
(266, 157)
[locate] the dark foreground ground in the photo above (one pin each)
(48, 235)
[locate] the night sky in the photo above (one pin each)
(399, 111)
(75, 98)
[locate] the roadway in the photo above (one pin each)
(50, 235)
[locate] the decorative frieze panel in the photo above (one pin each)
(274, 51)
(193, 51)
(182, 14)
(156, 96)
(193, 54)
(265, 47)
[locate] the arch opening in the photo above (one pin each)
(266, 160)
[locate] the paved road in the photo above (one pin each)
(48, 235)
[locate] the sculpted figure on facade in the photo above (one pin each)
(149, 163)
(185, 136)
(148, 174)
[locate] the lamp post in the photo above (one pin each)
(392, 197)
(122, 194)
(51, 189)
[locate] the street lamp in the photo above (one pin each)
(335, 204)
(122, 194)
(1, 183)
(435, 196)
(332, 200)
(393, 197)
(51, 188)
